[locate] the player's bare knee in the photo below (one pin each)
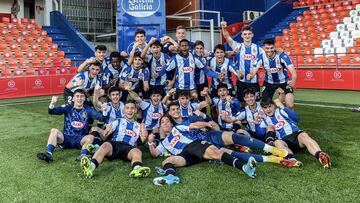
(303, 137)
(105, 146)
(90, 138)
(278, 143)
(168, 160)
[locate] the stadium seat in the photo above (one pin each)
(61, 54)
(332, 60)
(36, 63)
(67, 62)
(353, 50)
(321, 60)
(345, 60)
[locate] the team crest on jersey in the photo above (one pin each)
(280, 124)
(192, 62)
(249, 56)
(77, 124)
(188, 69)
(174, 140)
(130, 132)
(156, 115)
(84, 115)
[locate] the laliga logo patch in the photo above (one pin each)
(309, 74)
(249, 57)
(130, 132)
(140, 8)
(188, 69)
(77, 124)
(156, 116)
(11, 84)
(175, 139)
(38, 82)
(280, 124)
(337, 74)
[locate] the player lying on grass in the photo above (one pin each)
(76, 127)
(126, 133)
(280, 126)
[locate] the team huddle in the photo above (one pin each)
(159, 96)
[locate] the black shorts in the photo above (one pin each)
(194, 152)
(68, 95)
(120, 150)
(292, 141)
(233, 129)
(269, 89)
(241, 86)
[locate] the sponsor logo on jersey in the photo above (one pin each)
(77, 124)
(274, 70)
(174, 140)
(249, 57)
(188, 69)
(130, 132)
(156, 115)
(157, 69)
(280, 124)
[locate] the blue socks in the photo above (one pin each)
(245, 156)
(247, 141)
(50, 148)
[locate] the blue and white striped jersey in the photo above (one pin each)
(276, 68)
(88, 83)
(245, 58)
(188, 110)
(126, 131)
(155, 66)
(284, 121)
(114, 113)
(248, 115)
(128, 74)
(185, 71)
(152, 114)
(227, 109)
(226, 68)
(107, 75)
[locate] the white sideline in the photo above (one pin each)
(28, 102)
(324, 106)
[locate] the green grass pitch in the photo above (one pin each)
(24, 129)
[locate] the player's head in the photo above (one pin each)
(166, 124)
(140, 36)
(247, 33)
(184, 47)
(269, 47)
(268, 106)
(222, 90)
(156, 47)
(180, 33)
(174, 110)
(130, 109)
(250, 96)
(100, 52)
(79, 98)
(219, 51)
(155, 96)
(115, 60)
(114, 94)
(199, 48)
(184, 97)
(138, 61)
(94, 69)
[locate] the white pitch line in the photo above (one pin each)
(324, 106)
(28, 102)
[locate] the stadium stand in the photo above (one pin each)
(27, 50)
(328, 34)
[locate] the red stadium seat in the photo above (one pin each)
(321, 60)
(332, 60)
(24, 21)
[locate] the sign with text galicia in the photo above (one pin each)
(140, 8)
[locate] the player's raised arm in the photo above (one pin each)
(133, 94)
(152, 147)
(226, 34)
(85, 64)
(58, 110)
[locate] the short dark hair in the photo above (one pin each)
(199, 42)
(130, 101)
(184, 40)
(266, 101)
(156, 43)
(222, 85)
(220, 47)
(268, 42)
(137, 54)
(114, 89)
(246, 28)
(249, 90)
(184, 93)
(115, 54)
(100, 47)
(81, 91)
(140, 31)
(173, 103)
(96, 63)
(155, 91)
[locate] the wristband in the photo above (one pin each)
(151, 143)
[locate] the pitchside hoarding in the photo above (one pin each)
(145, 14)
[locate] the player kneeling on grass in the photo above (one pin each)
(281, 130)
(75, 126)
(187, 150)
(126, 133)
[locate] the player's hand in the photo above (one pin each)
(151, 137)
(249, 76)
(291, 83)
(256, 119)
(128, 86)
(278, 103)
(280, 91)
(165, 39)
(124, 54)
(152, 40)
(104, 107)
(223, 116)
(221, 76)
(236, 50)
(229, 99)
(172, 91)
(206, 53)
(54, 99)
(211, 124)
(240, 75)
(90, 61)
(223, 24)
(197, 112)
